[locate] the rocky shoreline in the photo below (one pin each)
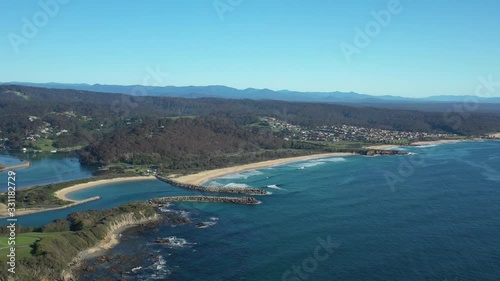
(111, 239)
(213, 189)
(208, 199)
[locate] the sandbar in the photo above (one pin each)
(62, 194)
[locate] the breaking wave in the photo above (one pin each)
(317, 162)
(242, 175)
(273, 186)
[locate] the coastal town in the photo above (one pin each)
(346, 133)
(42, 138)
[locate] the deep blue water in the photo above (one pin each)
(45, 168)
(429, 216)
(439, 221)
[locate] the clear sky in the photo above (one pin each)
(427, 48)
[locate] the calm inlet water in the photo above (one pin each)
(112, 195)
(8, 160)
(434, 215)
(45, 168)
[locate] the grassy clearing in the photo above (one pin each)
(24, 242)
(44, 144)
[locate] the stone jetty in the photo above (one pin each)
(213, 189)
(208, 199)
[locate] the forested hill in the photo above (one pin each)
(190, 134)
(18, 102)
(184, 143)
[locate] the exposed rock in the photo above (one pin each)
(211, 199)
(163, 241)
(201, 225)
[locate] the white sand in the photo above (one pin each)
(62, 194)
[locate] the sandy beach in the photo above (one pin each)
(22, 211)
(204, 176)
(62, 194)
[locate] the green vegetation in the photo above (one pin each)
(46, 255)
(42, 144)
(86, 116)
(24, 243)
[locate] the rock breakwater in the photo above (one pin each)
(213, 189)
(209, 199)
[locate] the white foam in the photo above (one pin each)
(315, 162)
(336, 159)
(207, 224)
(426, 146)
(159, 268)
(236, 185)
(177, 242)
(273, 186)
(242, 175)
(135, 269)
(164, 210)
(228, 185)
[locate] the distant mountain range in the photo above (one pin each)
(256, 94)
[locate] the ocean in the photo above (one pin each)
(431, 215)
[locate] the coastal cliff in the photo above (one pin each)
(111, 239)
(213, 189)
(86, 233)
(114, 228)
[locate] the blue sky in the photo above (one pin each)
(427, 47)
